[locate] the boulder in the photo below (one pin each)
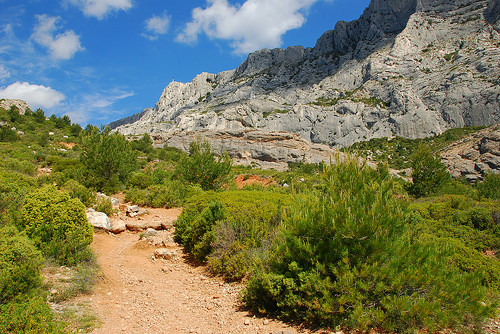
(118, 226)
(98, 219)
(150, 232)
(165, 253)
(142, 225)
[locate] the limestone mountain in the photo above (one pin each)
(411, 68)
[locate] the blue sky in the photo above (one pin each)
(101, 60)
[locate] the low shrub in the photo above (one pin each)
(20, 264)
(28, 314)
(169, 194)
(140, 180)
(490, 186)
(345, 258)
(203, 168)
(76, 190)
(230, 228)
(57, 224)
(104, 205)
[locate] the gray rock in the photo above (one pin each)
(165, 253)
(405, 68)
(98, 219)
(142, 225)
(118, 226)
(149, 233)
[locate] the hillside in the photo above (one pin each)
(326, 247)
(407, 68)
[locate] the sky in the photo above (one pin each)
(101, 60)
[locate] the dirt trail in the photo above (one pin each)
(139, 294)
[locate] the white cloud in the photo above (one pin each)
(100, 8)
(254, 25)
(34, 95)
(4, 73)
(96, 106)
(157, 25)
(62, 46)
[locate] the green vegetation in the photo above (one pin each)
(108, 158)
(57, 224)
(396, 151)
(203, 168)
(348, 258)
(266, 114)
(428, 173)
(350, 95)
(451, 56)
(342, 246)
(230, 228)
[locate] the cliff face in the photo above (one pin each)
(410, 68)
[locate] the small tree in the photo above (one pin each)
(429, 174)
(57, 224)
(108, 158)
(202, 167)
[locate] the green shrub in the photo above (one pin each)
(230, 228)
(76, 190)
(144, 144)
(428, 174)
(20, 264)
(57, 224)
(201, 167)
(345, 258)
(140, 180)
(108, 158)
(490, 187)
(28, 314)
(7, 135)
(104, 205)
(169, 194)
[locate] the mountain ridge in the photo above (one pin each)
(409, 68)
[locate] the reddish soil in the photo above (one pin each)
(247, 180)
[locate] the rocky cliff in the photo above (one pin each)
(410, 68)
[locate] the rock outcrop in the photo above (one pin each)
(475, 155)
(411, 68)
(19, 104)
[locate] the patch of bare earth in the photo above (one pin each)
(248, 180)
(143, 294)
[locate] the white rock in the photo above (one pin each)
(98, 219)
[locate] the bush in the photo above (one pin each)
(229, 229)
(428, 174)
(104, 205)
(7, 135)
(140, 180)
(203, 168)
(20, 264)
(28, 314)
(76, 190)
(108, 158)
(490, 187)
(167, 195)
(345, 258)
(58, 225)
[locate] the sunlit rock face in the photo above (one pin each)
(411, 68)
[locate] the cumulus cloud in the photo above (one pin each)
(254, 25)
(157, 25)
(34, 95)
(101, 8)
(62, 46)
